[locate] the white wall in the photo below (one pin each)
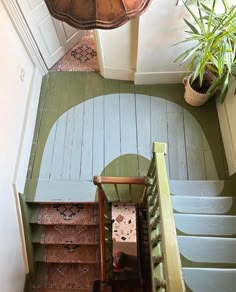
(16, 79)
(159, 28)
(143, 47)
(117, 50)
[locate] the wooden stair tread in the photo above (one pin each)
(204, 205)
(66, 234)
(207, 251)
(204, 188)
(71, 253)
(66, 276)
(59, 190)
(205, 225)
(210, 280)
(69, 214)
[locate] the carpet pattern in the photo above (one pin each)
(82, 57)
(70, 234)
(68, 276)
(84, 214)
(53, 290)
(70, 253)
(67, 247)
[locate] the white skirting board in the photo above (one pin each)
(227, 119)
(118, 73)
(159, 77)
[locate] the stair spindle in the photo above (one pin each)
(159, 283)
(157, 259)
(155, 220)
(155, 240)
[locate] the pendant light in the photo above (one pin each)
(91, 14)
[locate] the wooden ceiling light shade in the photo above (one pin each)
(91, 14)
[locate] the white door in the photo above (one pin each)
(54, 38)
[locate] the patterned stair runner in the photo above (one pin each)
(65, 234)
(70, 253)
(67, 276)
(53, 290)
(72, 214)
(66, 245)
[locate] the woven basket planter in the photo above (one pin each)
(193, 97)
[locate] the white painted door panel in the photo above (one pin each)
(54, 38)
(67, 34)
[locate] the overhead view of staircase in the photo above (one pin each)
(187, 230)
(65, 240)
(205, 219)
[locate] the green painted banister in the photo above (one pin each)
(162, 232)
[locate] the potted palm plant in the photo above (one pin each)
(212, 58)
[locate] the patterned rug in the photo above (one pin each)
(67, 276)
(71, 253)
(82, 57)
(84, 214)
(70, 234)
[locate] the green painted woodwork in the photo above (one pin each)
(28, 238)
(163, 244)
(159, 148)
(28, 285)
(36, 230)
(126, 165)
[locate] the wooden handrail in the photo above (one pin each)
(101, 198)
(101, 181)
(167, 232)
(97, 180)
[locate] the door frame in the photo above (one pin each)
(25, 34)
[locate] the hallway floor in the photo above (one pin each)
(88, 125)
